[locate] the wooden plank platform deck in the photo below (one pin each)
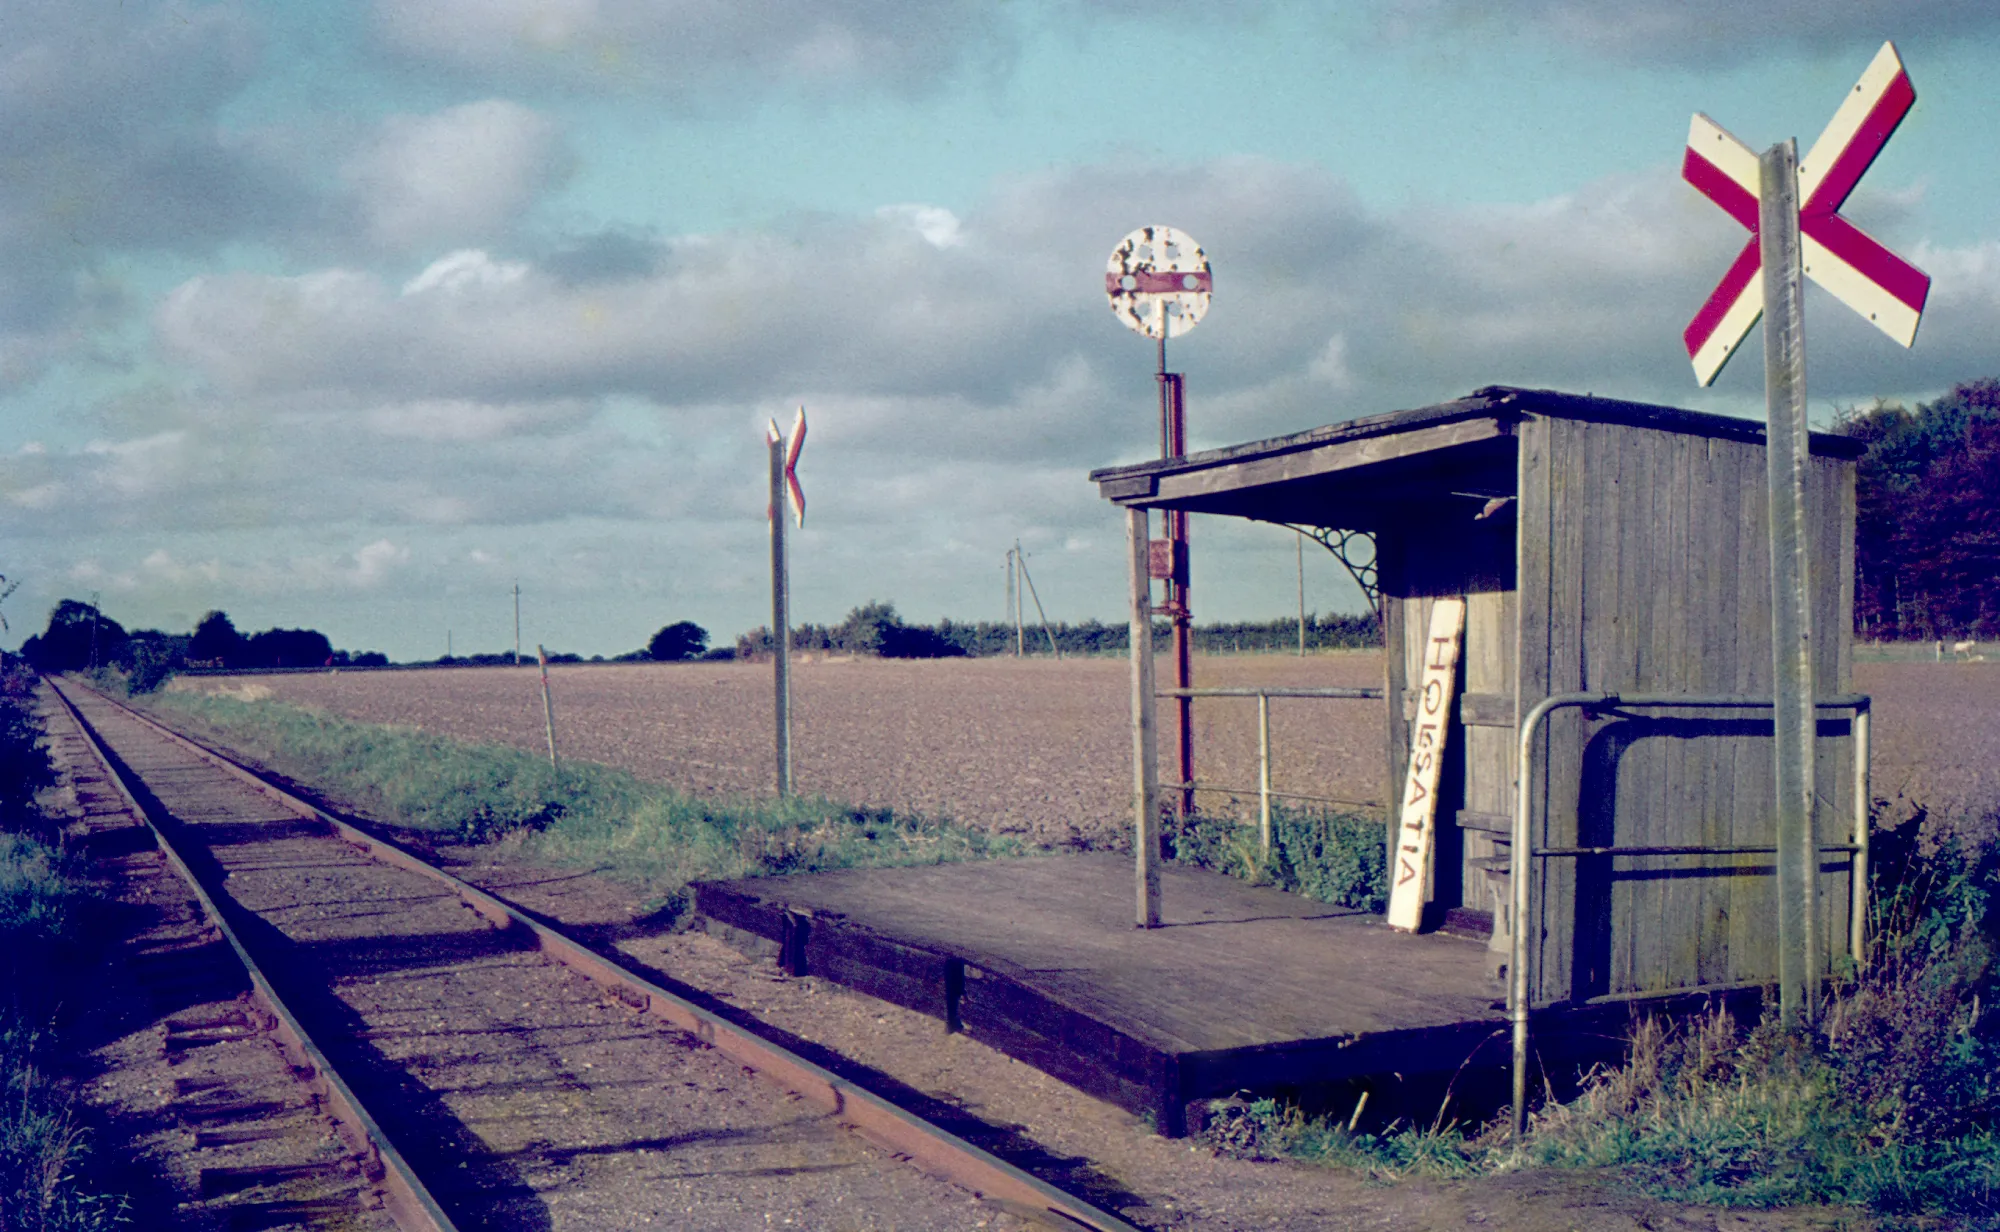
(1242, 989)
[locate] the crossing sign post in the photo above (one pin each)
(785, 489)
(1792, 210)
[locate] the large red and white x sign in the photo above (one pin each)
(1838, 255)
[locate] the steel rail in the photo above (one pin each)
(404, 1196)
(902, 1133)
(1519, 986)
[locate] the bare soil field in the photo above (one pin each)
(1035, 747)
(1937, 736)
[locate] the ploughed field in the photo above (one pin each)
(1035, 747)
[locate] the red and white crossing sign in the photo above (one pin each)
(794, 494)
(1838, 255)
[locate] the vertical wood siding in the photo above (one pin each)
(1643, 567)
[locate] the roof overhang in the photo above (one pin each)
(1356, 473)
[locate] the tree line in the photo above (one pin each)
(81, 638)
(875, 629)
(1927, 517)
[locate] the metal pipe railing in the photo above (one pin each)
(1264, 695)
(1522, 850)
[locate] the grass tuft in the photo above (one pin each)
(585, 815)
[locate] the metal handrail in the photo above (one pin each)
(1264, 695)
(1358, 692)
(1522, 849)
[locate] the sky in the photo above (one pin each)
(356, 316)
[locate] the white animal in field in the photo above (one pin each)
(1962, 649)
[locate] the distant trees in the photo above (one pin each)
(288, 648)
(216, 643)
(78, 638)
(678, 642)
(875, 629)
(1927, 522)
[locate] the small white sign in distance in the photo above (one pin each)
(1158, 282)
(1416, 824)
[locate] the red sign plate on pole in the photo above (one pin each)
(1839, 256)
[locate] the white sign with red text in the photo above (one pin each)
(1416, 825)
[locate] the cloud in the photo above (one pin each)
(109, 137)
(461, 175)
(684, 47)
(604, 413)
(994, 322)
(1695, 32)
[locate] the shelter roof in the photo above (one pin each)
(1358, 471)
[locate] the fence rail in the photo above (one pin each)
(1263, 789)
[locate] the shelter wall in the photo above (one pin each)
(1441, 550)
(1644, 567)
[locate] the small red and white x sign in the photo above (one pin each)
(1859, 271)
(794, 494)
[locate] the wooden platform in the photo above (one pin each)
(1243, 989)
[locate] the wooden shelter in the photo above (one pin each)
(1602, 547)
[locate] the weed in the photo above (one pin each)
(585, 815)
(1334, 857)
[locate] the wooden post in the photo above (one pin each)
(548, 707)
(1787, 458)
(1264, 773)
(1145, 802)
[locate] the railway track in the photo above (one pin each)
(485, 1070)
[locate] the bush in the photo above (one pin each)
(1334, 857)
(678, 642)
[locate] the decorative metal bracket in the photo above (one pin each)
(1342, 544)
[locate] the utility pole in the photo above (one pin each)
(517, 622)
(1302, 594)
(1020, 637)
(1007, 612)
(94, 614)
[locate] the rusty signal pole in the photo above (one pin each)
(1170, 564)
(1159, 284)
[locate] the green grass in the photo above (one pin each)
(591, 816)
(1334, 857)
(45, 1183)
